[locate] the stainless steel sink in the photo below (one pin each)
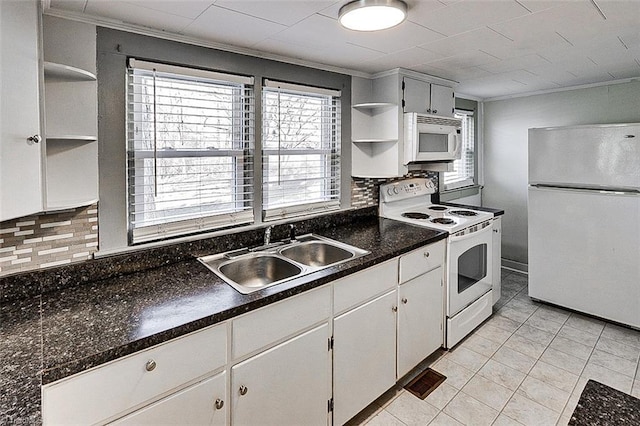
(259, 270)
(249, 270)
(316, 253)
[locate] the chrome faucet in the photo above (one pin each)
(267, 235)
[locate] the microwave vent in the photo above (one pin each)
(442, 121)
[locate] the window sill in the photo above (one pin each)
(454, 194)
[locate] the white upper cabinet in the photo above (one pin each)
(377, 118)
(20, 140)
(416, 96)
(427, 98)
(442, 100)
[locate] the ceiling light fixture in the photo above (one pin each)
(372, 15)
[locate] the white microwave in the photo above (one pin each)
(431, 138)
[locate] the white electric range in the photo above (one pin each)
(468, 274)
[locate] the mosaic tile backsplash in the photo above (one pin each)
(45, 240)
(54, 239)
(365, 191)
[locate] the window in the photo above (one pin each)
(190, 150)
(300, 149)
(463, 173)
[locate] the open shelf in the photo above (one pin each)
(72, 138)
(66, 72)
(373, 105)
(372, 140)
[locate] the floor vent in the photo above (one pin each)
(425, 383)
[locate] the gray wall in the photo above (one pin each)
(505, 145)
(114, 47)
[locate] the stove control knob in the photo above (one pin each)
(390, 191)
(396, 190)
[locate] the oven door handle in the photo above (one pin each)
(471, 235)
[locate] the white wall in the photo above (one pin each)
(505, 145)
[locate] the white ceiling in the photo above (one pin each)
(492, 48)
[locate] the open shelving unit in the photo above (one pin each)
(375, 133)
(70, 110)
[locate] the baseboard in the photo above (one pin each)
(512, 265)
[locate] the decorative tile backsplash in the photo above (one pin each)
(45, 240)
(365, 191)
(60, 238)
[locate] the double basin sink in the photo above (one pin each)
(249, 270)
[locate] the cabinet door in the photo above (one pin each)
(204, 403)
(364, 353)
(497, 258)
(288, 384)
(420, 317)
(20, 159)
(416, 95)
(442, 100)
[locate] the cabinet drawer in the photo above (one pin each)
(195, 405)
(272, 323)
(421, 260)
(361, 286)
(108, 390)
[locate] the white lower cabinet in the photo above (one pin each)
(364, 354)
(117, 388)
(317, 358)
(420, 317)
(288, 384)
(204, 403)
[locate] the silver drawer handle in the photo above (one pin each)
(404, 300)
(394, 309)
(151, 365)
(426, 254)
(243, 390)
(219, 404)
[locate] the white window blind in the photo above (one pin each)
(190, 150)
(300, 150)
(463, 169)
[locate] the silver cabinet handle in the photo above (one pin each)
(394, 309)
(219, 404)
(427, 254)
(243, 390)
(151, 365)
(404, 300)
(35, 138)
(435, 111)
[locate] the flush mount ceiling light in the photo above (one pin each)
(372, 15)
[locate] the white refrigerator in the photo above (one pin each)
(584, 219)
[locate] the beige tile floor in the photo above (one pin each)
(527, 364)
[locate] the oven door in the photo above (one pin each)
(469, 274)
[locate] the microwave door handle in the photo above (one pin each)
(457, 151)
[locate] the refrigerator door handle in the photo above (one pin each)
(606, 191)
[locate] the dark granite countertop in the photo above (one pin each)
(601, 405)
(57, 334)
(496, 212)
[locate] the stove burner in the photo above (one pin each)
(443, 221)
(464, 213)
(438, 208)
(415, 215)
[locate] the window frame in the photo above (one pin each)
(470, 182)
(331, 133)
(241, 156)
